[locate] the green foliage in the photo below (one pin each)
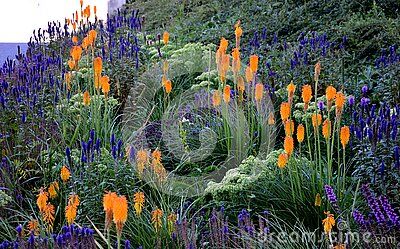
(368, 24)
(258, 185)
(76, 120)
(4, 199)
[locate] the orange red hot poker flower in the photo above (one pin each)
(289, 127)
(53, 189)
(300, 133)
(92, 35)
(86, 98)
(42, 199)
(168, 86)
(285, 111)
(108, 202)
(138, 199)
(105, 85)
(340, 101)
(249, 74)
(306, 94)
(326, 129)
(71, 208)
(316, 119)
(76, 53)
(258, 93)
(344, 136)
(288, 145)
(330, 95)
(65, 174)
(282, 160)
(165, 37)
(156, 217)
(120, 213)
(227, 93)
(238, 33)
(97, 65)
(236, 60)
(291, 88)
(75, 39)
(216, 98)
(254, 63)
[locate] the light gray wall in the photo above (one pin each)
(113, 5)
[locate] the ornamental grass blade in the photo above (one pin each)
(99, 233)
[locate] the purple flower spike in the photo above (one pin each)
(393, 217)
(321, 105)
(359, 218)
(364, 89)
(373, 204)
(330, 194)
(19, 230)
(127, 244)
(365, 101)
(351, 100)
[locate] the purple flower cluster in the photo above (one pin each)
(116, 147)
(122, 46)
(218, 233)
(375, 138)
(382, 221)
(90, 148)
(387, 58)
(374, 204)
(70, 237)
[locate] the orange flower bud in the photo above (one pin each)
(254, 63)
(271, 119)
(86, 98)
(317, 71)
(227, 93)
(285, 111)
(165, 37)
(97, 65)
(330, 93)
(300, 133)
(282, 160)
(168, 86)
(306, 94)
(258, 93)
(223, 45)
(216, 98)
(240, 84)
(326, 129)
(316, 119)
(249, 74)
(289, 127)
(340, 101)
(344, 136)
(105, 85)
(288, 145)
